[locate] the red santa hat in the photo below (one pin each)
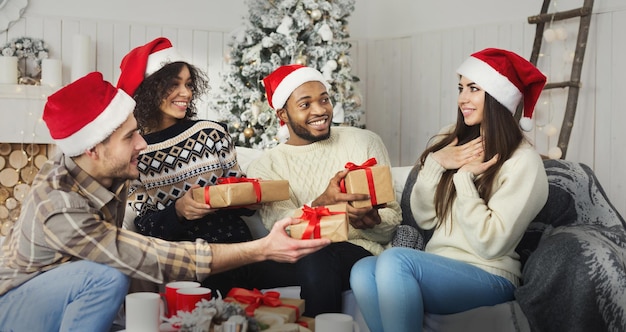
(144, 61)
(285, 79)
(85, 113)
(508, 78)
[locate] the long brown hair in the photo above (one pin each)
(156, 87)
(501, 135)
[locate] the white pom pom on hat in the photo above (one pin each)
(508, 78)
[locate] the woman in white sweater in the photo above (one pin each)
(479, 186)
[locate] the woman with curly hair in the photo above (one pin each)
(183, 153)
(479, 186)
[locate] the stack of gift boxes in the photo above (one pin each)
(317, 222)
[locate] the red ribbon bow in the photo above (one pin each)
(255, 298)
(314, 216)
(368, 174)
(232, 179)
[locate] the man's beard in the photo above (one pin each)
(305, 134)
(120, 170)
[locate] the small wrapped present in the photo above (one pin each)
(369, 178)
(270, 303)
(232, 191)
(330, 222)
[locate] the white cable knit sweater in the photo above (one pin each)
(308, 169)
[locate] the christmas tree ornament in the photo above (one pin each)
(356, 100)
(325, 33)
(342, 60)
(301, 60)
(248, 132)
(316, 14)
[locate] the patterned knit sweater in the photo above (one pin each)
(309, 168)
(187, 153)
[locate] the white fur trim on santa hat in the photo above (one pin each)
(160, 58)
(111, 118)
(490, 80)
(293, 81)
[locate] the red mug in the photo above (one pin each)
(186, 298)
(171, 296)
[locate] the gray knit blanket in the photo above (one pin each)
(574, 276)
(573, 254)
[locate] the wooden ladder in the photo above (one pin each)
(574, 83)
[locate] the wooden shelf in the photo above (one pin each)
(21, 107)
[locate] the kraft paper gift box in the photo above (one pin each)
(231, 192)
(372, 179)
(268, 304)
(330, 222)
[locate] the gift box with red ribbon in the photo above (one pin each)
(232, 191)
(270, 304)
(369, 178)
(330, 222)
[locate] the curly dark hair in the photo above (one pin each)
(156, 87)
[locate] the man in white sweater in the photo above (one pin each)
(313, 161)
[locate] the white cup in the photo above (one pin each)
(143, 312)
(335, 322)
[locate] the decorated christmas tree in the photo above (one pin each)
(279, 32)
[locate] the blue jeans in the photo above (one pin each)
(394, 289)
(77, 296)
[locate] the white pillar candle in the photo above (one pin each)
(81, 57)
(8, 70)
(51, 72)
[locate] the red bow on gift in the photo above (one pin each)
(232, 179)
(255, 298)
(368, 174)
(314, 216)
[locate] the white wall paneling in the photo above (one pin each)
(609, 136)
